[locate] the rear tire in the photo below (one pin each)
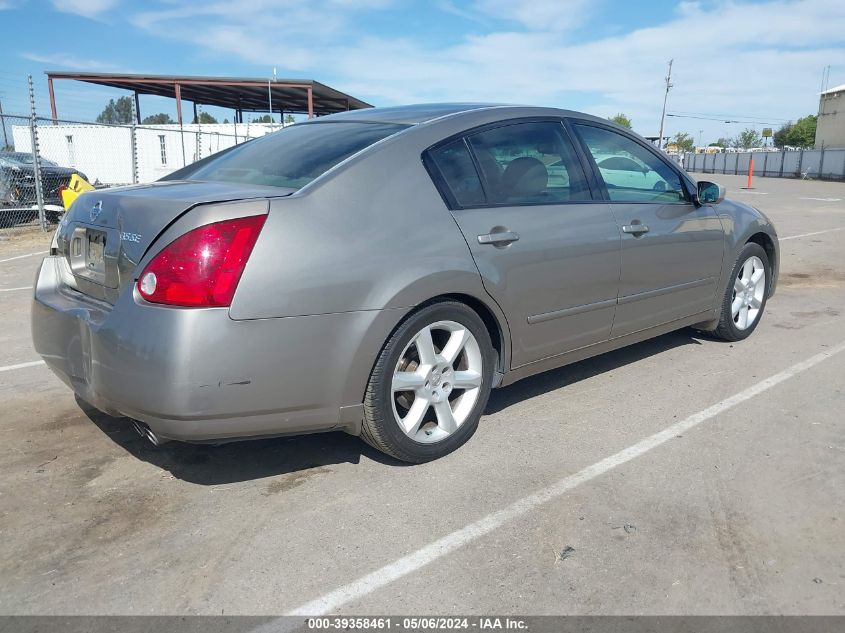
(430, 384)
(745, 295)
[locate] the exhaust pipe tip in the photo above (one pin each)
(147, 433)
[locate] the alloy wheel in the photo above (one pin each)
(436, 381)
(748, 293)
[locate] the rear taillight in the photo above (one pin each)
(202, 268)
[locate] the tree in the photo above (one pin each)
(683, 141)
(263, 119)
(289, 118)
(782, 134)
(157, 119)
(119, 111)
(721, 142)
(749, 137)
(621, 119)
(205, 118)
(802, 133)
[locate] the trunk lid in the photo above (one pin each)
(106, 232)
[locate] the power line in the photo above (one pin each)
(723, 120)
(727, 116)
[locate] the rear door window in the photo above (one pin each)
(529, 163)
(455, 165)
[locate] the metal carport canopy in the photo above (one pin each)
(238, 93)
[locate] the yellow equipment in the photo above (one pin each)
(76, 186)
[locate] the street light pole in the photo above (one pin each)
(665, 98)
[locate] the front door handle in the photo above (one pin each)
(635, 229)
(499, 238)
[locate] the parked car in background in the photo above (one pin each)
(379, 271)
(628, 171)
(17, 186)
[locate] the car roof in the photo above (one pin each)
(425, 112)
(407, 114)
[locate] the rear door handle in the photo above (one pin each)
(635, 229)
(503, 237)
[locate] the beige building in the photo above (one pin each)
(830, 130)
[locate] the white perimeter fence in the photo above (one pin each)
(823, 164)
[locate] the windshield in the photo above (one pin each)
(291, 157)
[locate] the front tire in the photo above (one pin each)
(430, 384)
(746, 294)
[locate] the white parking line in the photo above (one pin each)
(444, 546)
(12, 289)
(795, 237)
(11, 259)
(823, 199)
(34, 363)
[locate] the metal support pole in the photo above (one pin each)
(52, 99)
(36, 157)
(179, 116)
(3, 125)
(235, 122)
(137, 109)
(310, 102)
(821, 164)
(782, 161)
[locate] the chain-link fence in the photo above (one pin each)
(39, 156)
(19, 178)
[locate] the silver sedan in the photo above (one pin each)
(379, 271)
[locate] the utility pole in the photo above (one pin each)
(665, 98)
(270, 94)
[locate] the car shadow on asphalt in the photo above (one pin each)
(554, 379)
(210, 465)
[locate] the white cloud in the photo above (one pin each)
(540, 15)
(763, 60)
(85, 8)
(66, 60)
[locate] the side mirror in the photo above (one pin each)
(710, 192)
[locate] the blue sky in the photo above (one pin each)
(758, 61)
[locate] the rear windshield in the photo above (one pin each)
(291, 157)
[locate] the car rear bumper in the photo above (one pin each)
(198, 375)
